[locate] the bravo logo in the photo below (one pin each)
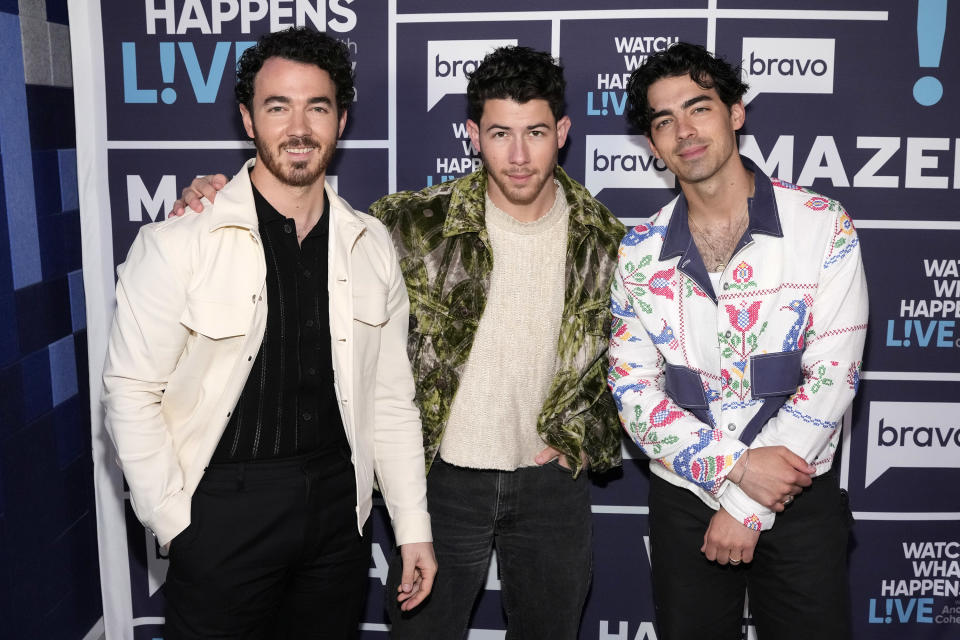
(624, 162)
(450, 61)
(912, 435)
(787, 65)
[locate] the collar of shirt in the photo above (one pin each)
(268, 215)
(764, 219)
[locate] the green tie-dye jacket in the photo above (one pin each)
(441, 238)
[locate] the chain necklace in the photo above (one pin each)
(719, 250)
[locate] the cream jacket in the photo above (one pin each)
(191, 311)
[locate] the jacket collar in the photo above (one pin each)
(467, 210)
(763, 219)
(234, 207)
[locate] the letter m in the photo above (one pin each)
(139, 198)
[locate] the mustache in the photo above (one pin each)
(303, 141)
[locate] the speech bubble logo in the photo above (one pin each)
(624, 162)
(449, 62)
(916, 435)
(787, 65)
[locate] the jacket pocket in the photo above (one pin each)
(370, 307)
(685, 387)
(217, 320)
(775, 374)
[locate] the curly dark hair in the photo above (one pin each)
(707, 70)
(516, 73)
(299, 44)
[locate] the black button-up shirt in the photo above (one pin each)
(288, 406)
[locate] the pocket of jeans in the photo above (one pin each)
(556, 466)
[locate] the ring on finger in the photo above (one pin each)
(735, 562)
(787, 500)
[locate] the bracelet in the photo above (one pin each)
(743, 472)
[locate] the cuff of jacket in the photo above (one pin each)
(745, 509)
(170, 518)
(412, 526)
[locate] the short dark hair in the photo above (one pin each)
(298, 44)
(683, 58)
(520, 74)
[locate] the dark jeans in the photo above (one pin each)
(537, 518)
(797, 582)
(272, 551)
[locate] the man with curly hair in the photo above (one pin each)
(257, 378)
(739, 320)
(508, 271)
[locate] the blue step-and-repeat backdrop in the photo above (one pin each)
(857, 99)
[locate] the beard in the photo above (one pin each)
(296, 173)
(521, 196)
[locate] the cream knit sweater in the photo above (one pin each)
(493, 420)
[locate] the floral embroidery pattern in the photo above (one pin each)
(743, 277)
(737, 347)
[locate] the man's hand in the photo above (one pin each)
(419, 570)
(202, 187)
(727, 540)
(774, 475)
(550, 453)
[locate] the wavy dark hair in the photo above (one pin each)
(299, 44)
(683, 58)
(520, 74)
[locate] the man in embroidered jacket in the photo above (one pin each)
(739, 320)
(508, 271)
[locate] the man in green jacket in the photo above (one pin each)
(508, 272)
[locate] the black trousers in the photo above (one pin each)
(797, 582)
(272, 551)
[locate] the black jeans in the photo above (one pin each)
(797, 582)
(538, 518)
(272, 551)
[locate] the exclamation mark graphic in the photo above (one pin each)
(167, 62)
(931, 24)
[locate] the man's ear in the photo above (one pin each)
(563, 128)
(473, 130)
(247, 120)
(343, 123)
(738, 115)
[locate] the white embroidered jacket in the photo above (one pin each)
(772, 358)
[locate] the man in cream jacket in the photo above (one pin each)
(257, 378)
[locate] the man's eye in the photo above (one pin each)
(661, 123)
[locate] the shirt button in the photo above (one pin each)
(311, 371)
(306, 416)
(308, 323)
(732, 427)
(287, 228)
(306, 273)
(726, 285)
(728, 333)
